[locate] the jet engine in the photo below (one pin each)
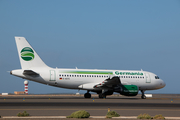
(129, 90)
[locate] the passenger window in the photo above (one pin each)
(72, 75)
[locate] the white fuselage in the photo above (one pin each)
(74, 78)
(103, 82)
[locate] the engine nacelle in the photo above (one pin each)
(129, 90)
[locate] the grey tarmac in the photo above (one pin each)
(64, 105)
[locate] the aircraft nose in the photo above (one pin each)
(163, 84)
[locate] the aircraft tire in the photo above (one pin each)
(87, 95)
(143, 97)
(102, 95)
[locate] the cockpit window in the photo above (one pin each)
(156, 77)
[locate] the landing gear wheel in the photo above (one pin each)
(143, 97)
(102, 95)
(87, 95)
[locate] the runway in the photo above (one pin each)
(63, 105)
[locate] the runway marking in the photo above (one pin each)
(99, 109)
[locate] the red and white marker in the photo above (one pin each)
(26, 86)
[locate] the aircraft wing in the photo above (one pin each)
(109, 83)
(30, 73)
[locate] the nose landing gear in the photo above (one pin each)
(143, 96)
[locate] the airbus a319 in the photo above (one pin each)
(102, 82)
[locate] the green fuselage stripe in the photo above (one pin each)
(87, 72)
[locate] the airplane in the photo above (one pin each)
(102, 82)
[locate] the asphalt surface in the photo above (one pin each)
(64, 105)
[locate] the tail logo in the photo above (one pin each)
(27, 54)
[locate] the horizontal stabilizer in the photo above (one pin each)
(30, 73)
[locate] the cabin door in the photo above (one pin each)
(52, 75)
(148, 79)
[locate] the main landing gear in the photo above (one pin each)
(143, 96)
(87, 95)
(102, 95)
